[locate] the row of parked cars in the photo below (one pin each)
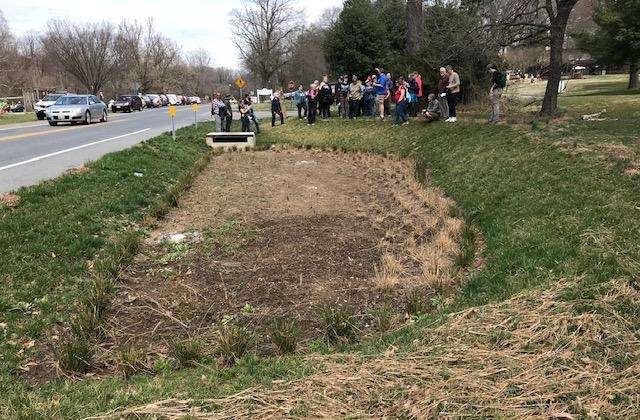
(128, 103)
(123, 103)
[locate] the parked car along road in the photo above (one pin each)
(155, 100)
(41, 106)
(77, 108)
(164, 100)
(195, 100)
(173, 99)
(127, 103)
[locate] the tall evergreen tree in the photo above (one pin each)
(617, 41)
(357, 42)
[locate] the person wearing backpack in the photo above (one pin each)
(498, 83)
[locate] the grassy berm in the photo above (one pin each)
(548, 327)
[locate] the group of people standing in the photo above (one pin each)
(373, 97)
(222, 112)
(369, 98)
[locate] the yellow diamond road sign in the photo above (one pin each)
(240, 83)
(172, 111)
(195, 107)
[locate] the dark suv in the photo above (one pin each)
(127, 103)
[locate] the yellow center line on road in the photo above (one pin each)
(53, 131)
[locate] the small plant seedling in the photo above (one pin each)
(285, 335)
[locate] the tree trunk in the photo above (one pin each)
(414, 26)
(556, 45)
(633, 75)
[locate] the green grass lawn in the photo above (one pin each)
(554, 201)
(10, 118)
(589, 84)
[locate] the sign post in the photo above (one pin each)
(172, 114)
(195, 107)
(240, 84)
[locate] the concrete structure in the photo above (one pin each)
(228, 141)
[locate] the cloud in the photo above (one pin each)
(193, 24)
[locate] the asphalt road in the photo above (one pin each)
(32, 152)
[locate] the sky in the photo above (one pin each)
(193, 24)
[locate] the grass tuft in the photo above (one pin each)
(234, 341)
(75, 355)
(339, 325)
(285, 335)
(129, 361)
(416, 304)
(187, 352)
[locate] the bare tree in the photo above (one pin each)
(307, 61)
(8, 58)
(263, 31)
(85, 51)
(150, 55)
(529, 21)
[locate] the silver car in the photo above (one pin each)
(77, 109)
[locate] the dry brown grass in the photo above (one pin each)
(388, 274)
(431, 235)
(10, 200)
(533, 356)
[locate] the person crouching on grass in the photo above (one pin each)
(433, 111)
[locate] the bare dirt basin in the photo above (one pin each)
(274, 234)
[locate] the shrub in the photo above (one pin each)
(285, 335)
(234, 342)
(338, 325)
(187, 353)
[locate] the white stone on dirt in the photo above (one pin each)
(305, 162)
(178, 238)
